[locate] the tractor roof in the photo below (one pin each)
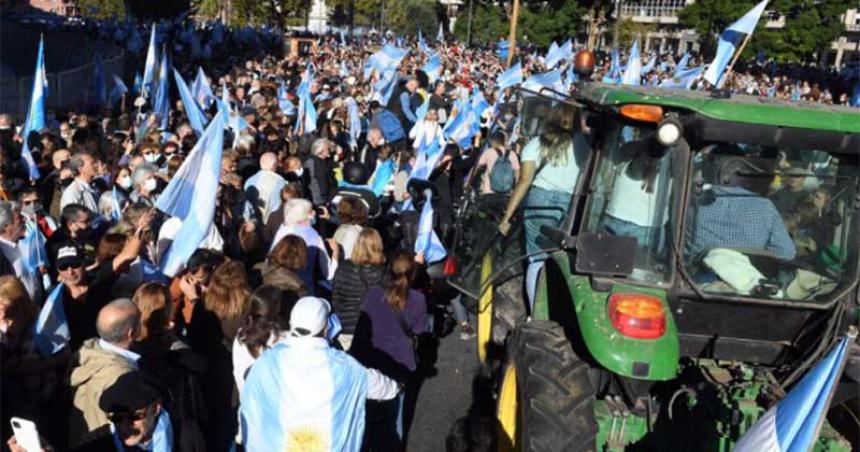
(738, 108)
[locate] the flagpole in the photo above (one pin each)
(725, 78)
(512, 37)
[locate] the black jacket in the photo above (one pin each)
(350, 285)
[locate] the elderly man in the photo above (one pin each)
(321, 177)
(303, 394)
(370, 153)
(12, 230)
(144, 184)
(263, 190)
(79, 191)
(100, 362)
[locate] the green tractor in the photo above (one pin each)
(710, 256)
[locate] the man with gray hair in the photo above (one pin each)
(12, 230)
(100, 362)
(321, 177)
(83, 164)
(263, 190)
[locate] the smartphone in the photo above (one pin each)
(26, 434)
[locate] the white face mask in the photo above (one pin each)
(151, 158)
(150, 185)
(125, 182)
(299, 172)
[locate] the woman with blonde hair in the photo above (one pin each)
(227, 296)
(354, 278)
(550, 165)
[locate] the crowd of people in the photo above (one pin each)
(298, 319)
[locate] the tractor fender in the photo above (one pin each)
(570, 300)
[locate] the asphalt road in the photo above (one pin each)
(447, 396)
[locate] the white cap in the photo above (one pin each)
(309, 316)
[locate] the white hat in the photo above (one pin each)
(309, 316)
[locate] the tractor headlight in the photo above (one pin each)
(669, 130)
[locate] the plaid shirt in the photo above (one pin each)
(738, 218)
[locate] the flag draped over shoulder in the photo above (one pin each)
(191, 194)
(729, 40)
(51, 331)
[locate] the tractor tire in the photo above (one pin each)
(556, 396)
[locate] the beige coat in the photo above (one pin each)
(96, 371)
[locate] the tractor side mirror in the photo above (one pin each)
(605, 254)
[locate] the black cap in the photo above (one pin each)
(130, 392)
(69, 253)
(355, 173)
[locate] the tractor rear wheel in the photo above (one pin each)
(546, 402)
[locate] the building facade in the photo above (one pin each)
(60, 7)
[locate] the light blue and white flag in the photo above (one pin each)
(199, 175)
(683, 79)
(389, 57)
(304, 395)
(511, 77)
(386, 84)
(32, 246)
(794, 422)
(382, 176)
(116, 209)
(51, 331)
(195, 117)
(682, 65)
(150, 68)
(36, 112)
(161, 107)
(119, 88)
(570, 77)
(427, 242)
(423, 109)
(561, 54)
(729, 40)
(550, 80)
(463, 128)
(650, 65)
(613, 76)
(354, 121)
(287, 107)
(633, 71)
(433, 67)
(201, 90)
(440, 35)
(427, 159)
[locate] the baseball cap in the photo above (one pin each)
(309, 316)
(69, 254)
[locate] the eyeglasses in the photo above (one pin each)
(67, 267)
(130, 417)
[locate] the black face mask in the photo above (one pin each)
(66, 181)
(160, 185)
(84, 234)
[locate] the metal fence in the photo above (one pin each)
(66, 89)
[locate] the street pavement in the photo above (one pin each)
(445, 397)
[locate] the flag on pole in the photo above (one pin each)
(354, 121)
(162, 94)
(33, 253)
(51, 331)
(463, 128)
(613, 76)
(729, 40)
(511, 77)
(433, 67)
(427, 242)
(428, 156)
(440, 35)
(195, 117)
(683, 79)
(150, 67)
(389, 57)
(683, 63)
(795, 421)
(382, 176)
(201, 90)
(550, 80)
(287, 107)
(36, 112)
(192, 197)
(650, 66)
(386, 84)
(633, 71)
(559, 54)
(119, 88)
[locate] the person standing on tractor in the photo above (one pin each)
(549, 171)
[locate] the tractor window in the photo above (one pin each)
(632, 197)
(772, 223)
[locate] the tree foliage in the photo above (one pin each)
(102, 9)
(489, 24)
(547, 21)
(155, 10)
(710, 17)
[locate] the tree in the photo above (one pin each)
(809, 29)
(629, 31)
(489, 24)
(273, 12)
(102, 9)
(408, 16)
(710, 17)
(155, 10)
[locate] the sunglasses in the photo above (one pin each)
(67, 267)
(29, 202)
(133, 416)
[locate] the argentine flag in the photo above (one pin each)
(195, 117)
(387, 58)
(550, 80)
(427, 241)
(433, 67)
(36, 112)
(464, 127)
(682, 64)
(428, 156)
(201, 89)
(553, 58)
(287, 107)
(33, 253)
(51, 331)
(193, 194)
(354, 121)
(149, 68)
(511, 77)
(382, 176)
(303, 395)
(793, 424)
(162, 95)
(633, 71)
(729, 39)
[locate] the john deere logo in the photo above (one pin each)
(307, 439)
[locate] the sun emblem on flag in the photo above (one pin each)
(307, 439)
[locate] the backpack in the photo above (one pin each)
(502, 174)
(390, 127)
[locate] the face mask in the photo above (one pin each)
(84, 233)
(151, 158)
(125, 182)
(509, 117)
(66, 181)
(31, 209)
(299, 172)
(150, 185)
